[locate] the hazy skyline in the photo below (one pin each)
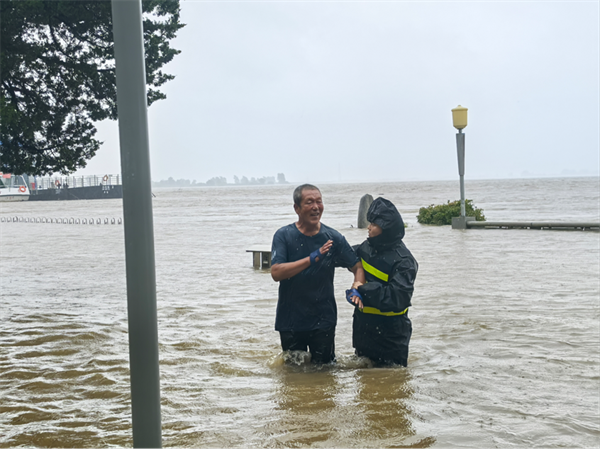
(343, 91)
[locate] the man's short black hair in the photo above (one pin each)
(298, 192)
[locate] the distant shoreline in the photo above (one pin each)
(383, 181)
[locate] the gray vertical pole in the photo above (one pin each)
(137, 218)
(363, 208)
(460, 148)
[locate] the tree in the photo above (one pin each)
(281, 178)
(217, 181)
(57, 77)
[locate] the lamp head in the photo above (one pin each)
(459, 117)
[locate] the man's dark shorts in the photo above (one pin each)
(320, 343)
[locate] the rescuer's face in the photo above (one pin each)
(374, 230)
(311, 207)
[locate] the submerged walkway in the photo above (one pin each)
(554, 225)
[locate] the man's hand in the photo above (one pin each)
(353, 297)
(357, 302)
(317, 256)
(326, 247)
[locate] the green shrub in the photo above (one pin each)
(442, 213)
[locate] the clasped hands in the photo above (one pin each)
(353, 296)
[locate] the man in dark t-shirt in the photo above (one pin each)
(304, 257)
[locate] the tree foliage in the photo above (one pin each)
(176, 183)
(57, 77)
(442, 213)
(217, 181)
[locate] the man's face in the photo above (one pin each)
(311, 207)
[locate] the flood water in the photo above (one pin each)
(504, 353)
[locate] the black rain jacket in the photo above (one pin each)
(382, 329)
(383, 255)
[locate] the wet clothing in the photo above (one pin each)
(306, 300)
(382, 329)
(320, 341)
(382, 339)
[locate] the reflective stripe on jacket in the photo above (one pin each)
(370, 270)
(390, 275)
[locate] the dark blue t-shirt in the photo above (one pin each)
(306, 301)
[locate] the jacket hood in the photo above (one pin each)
(385, 215)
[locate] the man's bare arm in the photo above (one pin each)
(359, 274)
(286, 270)
(359, 279)
(281, 271)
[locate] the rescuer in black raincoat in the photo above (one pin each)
(381, 329)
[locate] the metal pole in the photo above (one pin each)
(460, 148)
(138, 224)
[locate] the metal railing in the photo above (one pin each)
(54, 182)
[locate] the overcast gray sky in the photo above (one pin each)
(343, 91)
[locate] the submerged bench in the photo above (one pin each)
(261, 257)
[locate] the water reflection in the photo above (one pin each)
(344, 405)
(383, 393)
(305, 395)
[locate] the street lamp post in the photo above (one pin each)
(459, 120)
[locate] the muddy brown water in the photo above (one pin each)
(505, 350)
